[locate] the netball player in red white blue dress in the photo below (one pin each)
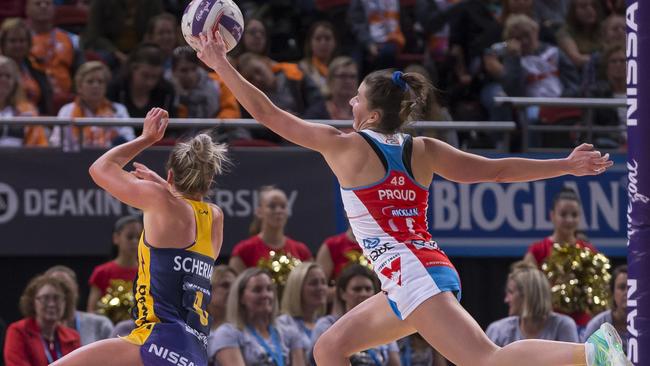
(385, 177)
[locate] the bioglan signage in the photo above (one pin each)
(504, 219)
(75, 217)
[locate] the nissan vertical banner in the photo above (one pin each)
(638, 211)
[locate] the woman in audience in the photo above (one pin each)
(116, 26)
(614, 70)
(320, 47)
(141, 85)
(222, 280)
(91, 80)
(255, 39)
(580, 36)
(565, 217)
(199, 94)
(15, 43)
(530, 314)
(40, 338)
(336, 253)
(91, 327)
(162, 30)
(342, 81)
(126, 235)
(304, 299)
(617, 314)
(14, 104)
(251, 335)
(268, 232)
(355, 285)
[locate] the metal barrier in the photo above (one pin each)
(587, 118)
(505, 127)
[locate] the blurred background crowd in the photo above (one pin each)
(273, 281)
(119, 58)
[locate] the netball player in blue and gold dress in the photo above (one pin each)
(182, 237)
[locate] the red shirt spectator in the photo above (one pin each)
(254, 248)
(543, 248)
(24, 345)
(104, 273)
(337, 252)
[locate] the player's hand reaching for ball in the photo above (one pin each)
(584, 160)
(213, 50)
(155, 124)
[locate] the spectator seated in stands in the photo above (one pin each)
(376, 27)
(40, 338)
(199, 95)
(141, 85)
(126, 236)
(267, 232)
(337, 253)
(304, 299)
(15, 43)
(162, 31)
(222, 279)
(251, 335)
(320, 49)
(614, 33)
(581, 36)
(565, 216)
(529, 67)
(91, 80)
(616, 315)
(255, 40)
(438, 112)
(53, 49)
(613, 86)
(14, 104)
(530, 315)
(355, 285)
(284, 84)
(91, 327)
(342, 84)
(116, 27)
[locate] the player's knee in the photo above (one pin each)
(325, 348)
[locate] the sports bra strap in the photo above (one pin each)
(407, 152)
(376, 148)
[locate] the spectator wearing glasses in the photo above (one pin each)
(342, 83)
(40, 338)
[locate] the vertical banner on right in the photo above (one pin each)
(638, 212)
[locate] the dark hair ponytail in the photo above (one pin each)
(401, 98)
(565, 194)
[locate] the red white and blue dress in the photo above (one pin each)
(389, 220)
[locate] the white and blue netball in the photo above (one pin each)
(210, 16)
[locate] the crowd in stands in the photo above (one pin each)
(119, 58)
(256, 321)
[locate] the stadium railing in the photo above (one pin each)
(588, 104)
(504, 127)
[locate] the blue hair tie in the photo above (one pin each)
(399, 81)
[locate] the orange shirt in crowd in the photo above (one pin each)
(54, 52)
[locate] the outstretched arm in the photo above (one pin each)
(108, 170)
(463, 167)
(310, 135)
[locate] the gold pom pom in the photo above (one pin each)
(279, 265)
(356, 257)
(116, 304)
(579, 279)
